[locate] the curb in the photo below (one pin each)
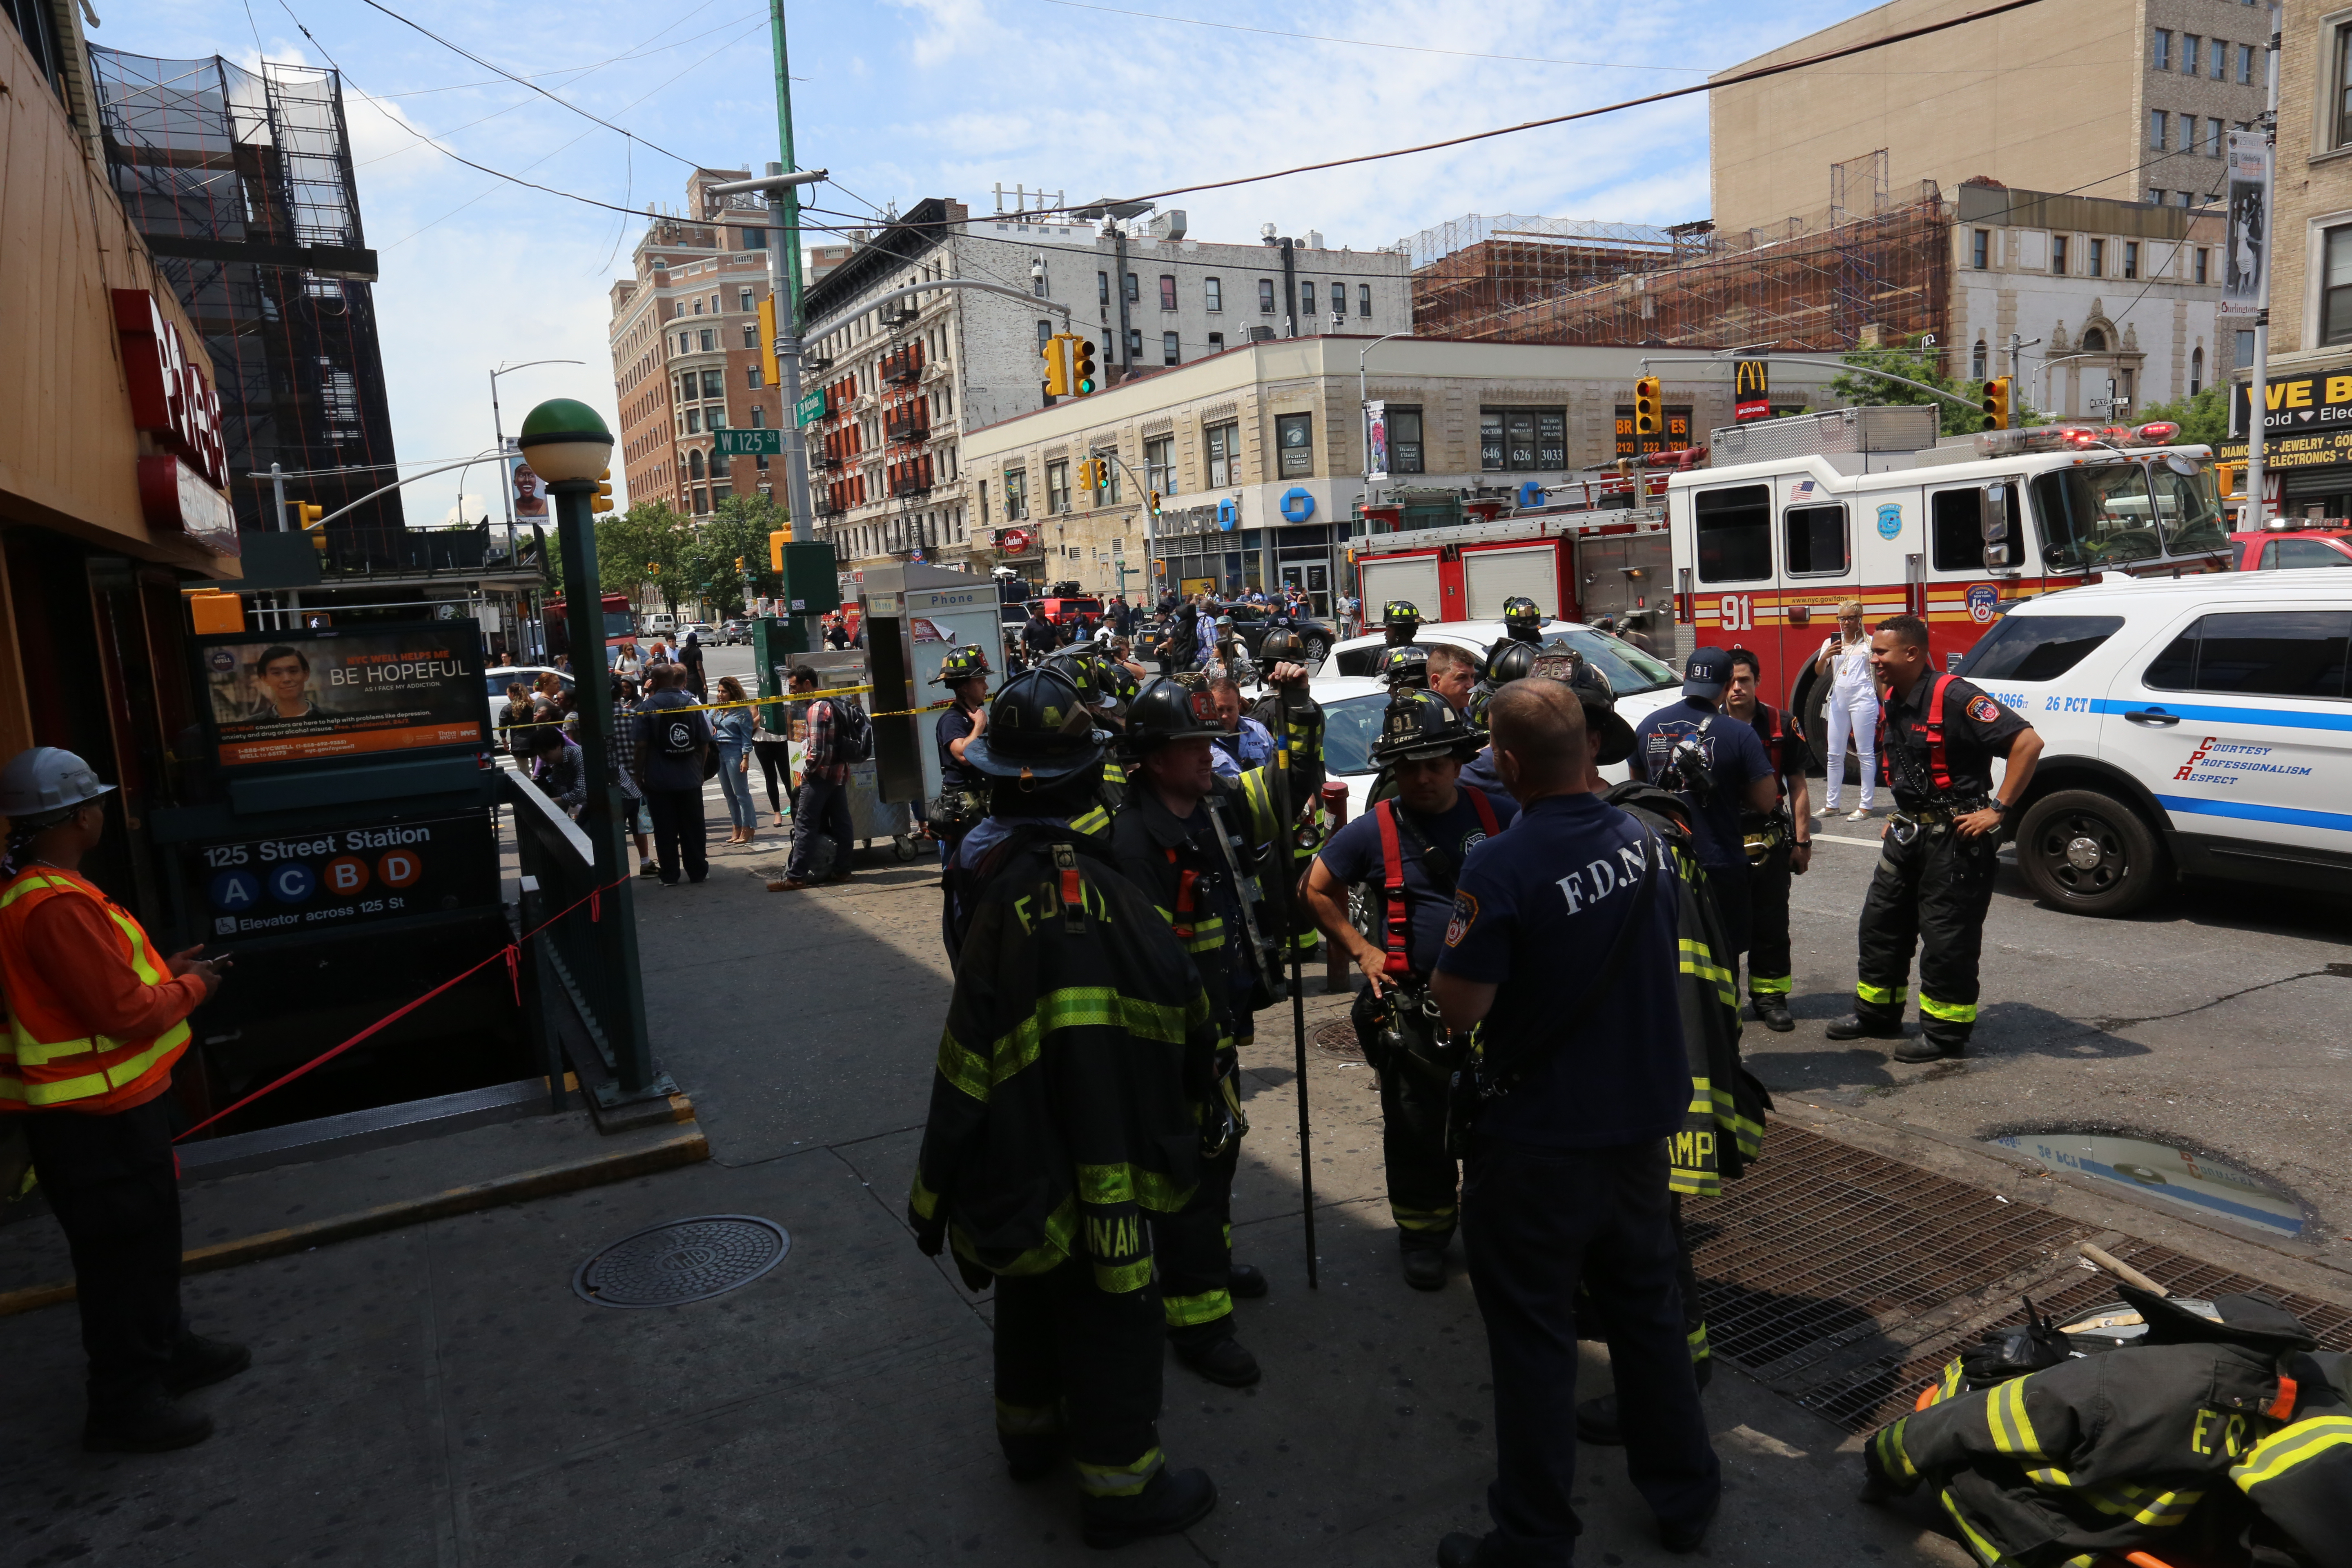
(685, 1148)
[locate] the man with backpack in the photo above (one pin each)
(839, 734)
(673, 743)
(1407, 851)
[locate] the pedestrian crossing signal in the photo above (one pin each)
(776, 542)
(1056, 351)
(1996, 404)
(1646, 392)
(1082, 377)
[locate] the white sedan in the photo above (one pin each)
(1353, 701)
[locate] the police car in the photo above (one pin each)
(2198, 726)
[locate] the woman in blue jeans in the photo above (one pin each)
(732, 727)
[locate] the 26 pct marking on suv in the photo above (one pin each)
(2067, 704)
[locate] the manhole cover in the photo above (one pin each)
(1338, 1039)
(684, 1261)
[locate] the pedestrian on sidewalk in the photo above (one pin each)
(96, 1021)
(772, 744)
(513, 718)
(1845, 662)
(635, 817)
(558, 769)
(1042, 1166)
(690, 656)
(823, 804)
(732, 728)
(672, 747)
(1567, 1171)
(546, 695)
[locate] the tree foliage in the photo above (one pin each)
(1919, 362)
(2204, 419)
(737, 530)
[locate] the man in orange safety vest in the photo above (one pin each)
(95, 1020)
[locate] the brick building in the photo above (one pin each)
(685, 339)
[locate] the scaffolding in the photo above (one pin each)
(1874, 265)
(241, 183)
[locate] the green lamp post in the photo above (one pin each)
(567, 445)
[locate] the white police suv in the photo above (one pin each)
(2198, 725)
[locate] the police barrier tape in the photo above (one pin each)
(511, 952)
(944, 703)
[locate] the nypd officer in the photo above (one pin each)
(1939, 735)
(1562, 950)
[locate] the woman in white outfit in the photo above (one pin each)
(1852, 708)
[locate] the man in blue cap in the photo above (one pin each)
(1718, 766)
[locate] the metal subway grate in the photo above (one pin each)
(1338, 1039)
(1846, 1281)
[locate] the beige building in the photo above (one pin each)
(2123, 99)
(2308, 433)
(1258, 452)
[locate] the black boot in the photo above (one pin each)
(1169, 1502)
(199, 1363)
(1030, 1456)
(1928, 1048)
(1853, 1027)
(1245, 1280)
(1221, 1361)
(1773, 1012)
(1424, 1268)
(157, 1427)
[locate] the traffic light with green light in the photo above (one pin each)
(1082, 375)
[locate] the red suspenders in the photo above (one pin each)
(1939, 770)
(1393, 872)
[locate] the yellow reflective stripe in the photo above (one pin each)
(1422, 1219)
(1987, 1553)
(1118, 1279)
(1028, 1420)
(1881, 995)
(1699, 959)
(2163, 1510)
(2289, 1446)
(1770, 984)
(90, 1085)
(1891, 1457)
(1061, 1230)
(922, 1200)
(1699, 1350)
(1119, 1480)
(1125, 1183)
(34, 882)
(139, 960)
(1072, 1007)
(1092, 821)
(1951, 1012)
(1183, 1312)
(33, 1053)
(965, 1069)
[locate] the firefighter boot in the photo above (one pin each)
(1245, 1280)
(1169, 1502)
(1221, 1359)
(1855, 1026)
(199, 1363)
(1773, 1012)
(157, 1427)
(1424, 1267)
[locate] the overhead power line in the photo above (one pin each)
(1372, 44)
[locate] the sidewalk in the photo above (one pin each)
(438, 1394)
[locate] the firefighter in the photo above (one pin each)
(1779, 843)
(1175, 838)
(1041, 1167)
(1523, 620)
(96, 1019)
(1719, 768)
(1937, 737)
(1610, 737)
(1400, 622)
(1402, 665)
(1406, 852)
(1288, 711)
(965, 672)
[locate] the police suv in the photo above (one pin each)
(2201, 725)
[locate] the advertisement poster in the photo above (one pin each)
(1376, 441)
(530, 492)
(2247, 255)
(344, 876)
(303, 697)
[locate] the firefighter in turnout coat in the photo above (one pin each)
(1074, 1099)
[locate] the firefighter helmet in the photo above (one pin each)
(967, 663)
(1282, 643)
(1523, 618)
(1404, 665)
(1166, 709)
(1510, 661)
(1400, 618)
(1581, 676)
(1038, 729)
(1421, 725)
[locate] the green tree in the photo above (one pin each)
(643, 545)
(2204, 419)
(737, 531)
(1913, 360)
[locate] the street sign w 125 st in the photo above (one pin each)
(747, 443)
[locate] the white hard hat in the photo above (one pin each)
(46, 779)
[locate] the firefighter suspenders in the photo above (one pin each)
(1939, 770)
(1393, 873)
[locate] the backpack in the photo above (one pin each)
(853, 732)
(673, 733)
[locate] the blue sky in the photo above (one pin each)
(908, 99)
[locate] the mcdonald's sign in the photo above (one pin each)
(1752, 390)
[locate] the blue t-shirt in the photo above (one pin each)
(1479, 773)
(1538, 911)
(954, 725)
(1354, 855)
(1735, 759)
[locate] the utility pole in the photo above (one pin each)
(278, 488)
(2257, 385)
(784, 286)
(1289, 290)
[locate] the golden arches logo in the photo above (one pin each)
(1751, 377)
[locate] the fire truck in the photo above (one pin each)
(1755, 539)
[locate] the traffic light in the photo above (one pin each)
(1082, 375)
(768, 342)
(1646, 420)
(1155, 503)
(308, 514)
(1996, 404)
(1057, 365)
(603, 500)
(738, 566)
(776, 542)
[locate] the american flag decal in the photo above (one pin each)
(1804, 487)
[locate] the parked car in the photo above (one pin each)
(2293, 544)
(734, 632)
(2192, 726)
(1252, 622)
(500, 677)
(702, 632)
(1631, 671)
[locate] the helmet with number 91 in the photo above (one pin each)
(1421, 726)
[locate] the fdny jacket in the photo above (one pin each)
(1078, 1055)
(1178, 866)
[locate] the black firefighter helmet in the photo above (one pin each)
(1510, 661)
(1399, 619)
(1282, 645)
(1420, 725)
(1522, 619)
(1167, 711)
(966, 663)
(1405, 666)
(1039, 729)
(1578, 674)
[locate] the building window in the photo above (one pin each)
(2156, 195)
(750, 334)
(2212, 139)
(2160, 49)
(702, 501)
(1171, 349)
(1058, 487)
(1338, 298)
(2157, 120)
(709, 340)
(1307, 301)
(743, 299)
(714, 383)
(2058, 252)
(1216, 343)
(1167, 291)
(1294, 438)
(1159, 464)
(1134, 344)
(694, 421)
(2188, 198)
(2190, 46)
(685, 342)
(2244, 349)
(2220, 53)
(1213, 293)
(2340, 63)
(693, 465)
(2131, 258)
(1102, 296)
(2124, 385)
(2196, 371)
(755, 375)
(983, 503)
(2188, 136)
(1045, 335)
(2204, 266)
(759, 418)
(697, 306)
(2245, 65)
(1519, 439)
(1016, 495)
(1134, 289)
(1038, 281)
(1976, 361)
(1980, 249)
(1224, 444)
(2335, 287)
(1364, 300)
(1266, 295)
(1404, 440)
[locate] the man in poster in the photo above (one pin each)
(285, 677)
